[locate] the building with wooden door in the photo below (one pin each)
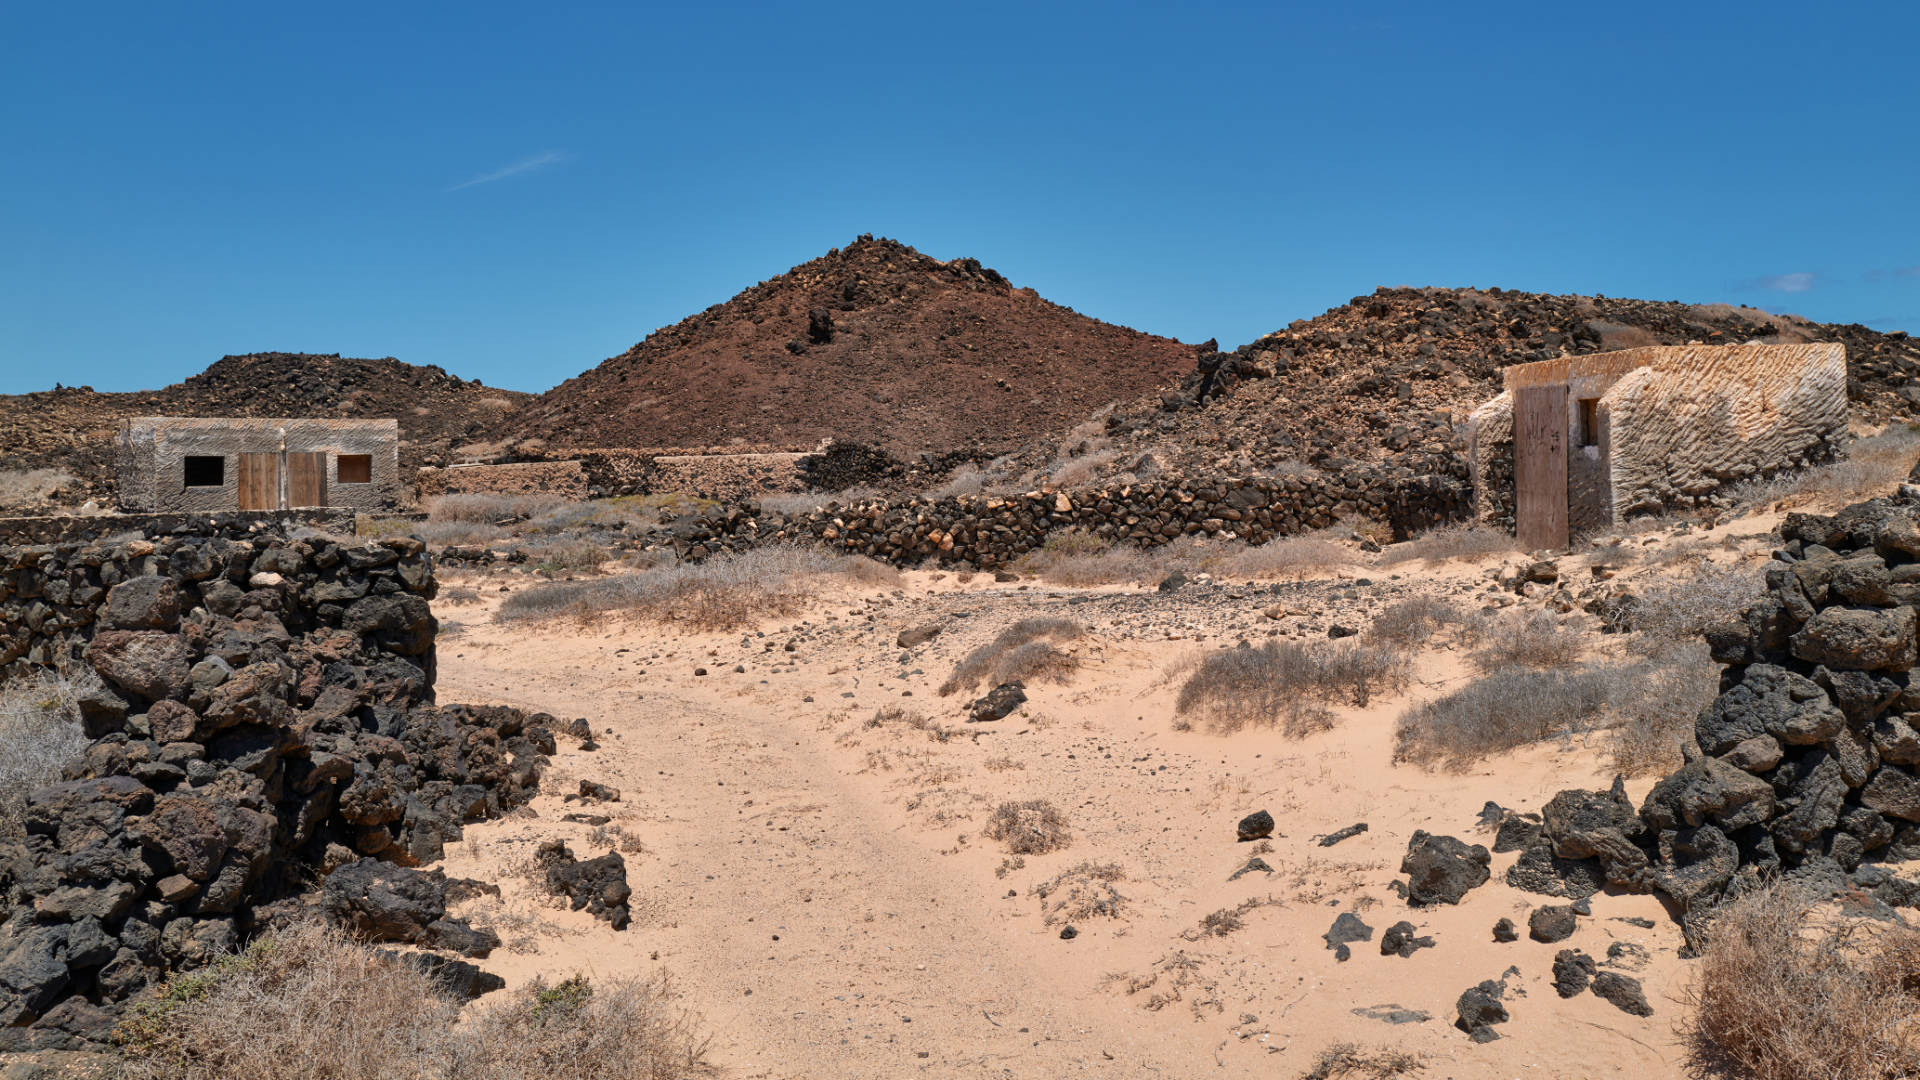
(169, 464)
(1576, 444)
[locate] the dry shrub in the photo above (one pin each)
(1513, 707)
(40, 736)
(907, 718)
(1287, 557)
(1649, 727)
(1874, 465)
(725, 592)
(490, 507)
(443, 534)
(1530, 639)
(308, 1003)
(459, 596)
(1080, 471)
(1412, 621)
(1787, 992)
(1289, 683)
(1078, 559)
(1229, 920)
(1021, 651)
(26, 487)
(1682, 608)
(564, 556)
(1348, 1061)
(1082, 891)
(1462, 540)
(1029, 827)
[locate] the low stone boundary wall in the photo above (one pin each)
(990, 531)
(262, 710)
(55, 529)
(566, 479)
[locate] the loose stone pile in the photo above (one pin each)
(263, 714)
(1805, 764)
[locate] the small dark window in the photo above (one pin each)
(356, 468)
(1589, 422)
(206, 471)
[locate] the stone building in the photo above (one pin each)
(1575, 444)
(168, 464)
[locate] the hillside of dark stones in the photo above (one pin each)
(72, 428)
(1387, 376)
(874, 343)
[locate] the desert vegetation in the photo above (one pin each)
(1288, 683)
(308, 1003)
(1461, 540)
(723, 593)
(1029, 649)
(1028, 827)
(1791, 990)
(40, 736)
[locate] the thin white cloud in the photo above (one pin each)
(1788, 283)
(538, 161)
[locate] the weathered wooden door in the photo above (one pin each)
(306, 479)
(1540, 466)
(259, 482)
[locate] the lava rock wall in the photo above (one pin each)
(263, 713)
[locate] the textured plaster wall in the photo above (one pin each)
(1697, 417)
(152, 455)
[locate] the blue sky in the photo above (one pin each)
(516, 191)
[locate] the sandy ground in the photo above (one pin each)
(820, 891)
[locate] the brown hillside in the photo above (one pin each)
(874, 343)
(71, 429)
(1386, 376)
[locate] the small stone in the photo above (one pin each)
(1550, 924)
(1255, 826)
(1505, 930)
(1624, 991)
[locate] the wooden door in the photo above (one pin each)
(259, 482)
(306, 479)
(1540, 467)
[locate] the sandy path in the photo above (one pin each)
(900, 950)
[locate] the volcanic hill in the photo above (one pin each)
(873, 343)
(1387, 376)
(72, 428)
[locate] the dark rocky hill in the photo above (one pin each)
(71, 430)
(873, 343)
(1386, 377)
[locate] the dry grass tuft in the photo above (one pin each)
(1288, 557)
(486, 507)
(1874, 465)
(308, 1003)
(1082, 891)
(726, 592)
(1412, 621)
(1289, 683)
(1534, 638)
(1348, 1061)
(1682, 608)
(1463, 540)
(1029, 827)
(1786, 993)
(1650, 704)
(40, 736)
(1022, 651)
(1229, 920)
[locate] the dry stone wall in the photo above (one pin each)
(1807, 765)
(263, 713)
(990, 531)
(566, 479)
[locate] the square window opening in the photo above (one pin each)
(355, 468)
(1589, 422)
(205, 471)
